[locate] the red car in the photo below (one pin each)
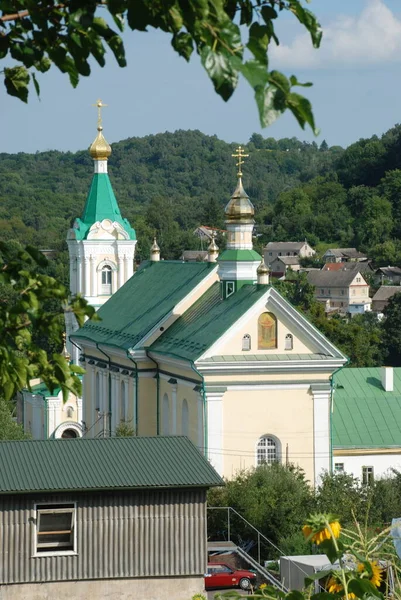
(220, 575)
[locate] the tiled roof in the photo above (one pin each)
(389, 271)
(143, 301)
(385, 292)
(285, 246)
(103, 464)
(346, 252)
(205, 321)
(365, 416)
(289, 260)
(266, 357)
(198, 255)
(332, 278)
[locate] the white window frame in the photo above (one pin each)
(277, 445)
(231, 285)
(61, 507)
(368, 472)
(339, 467)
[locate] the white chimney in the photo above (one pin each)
(388, 379)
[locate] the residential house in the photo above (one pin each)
(364, 267)
(194, 255)
(337, 255)
(388, 275)
(281, 264)
(273, 250)
(96, 518)
(206, 233)
(383, 295)
(181, 345)
(345, 290)
(367, 422)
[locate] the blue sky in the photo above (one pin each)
(356, 91)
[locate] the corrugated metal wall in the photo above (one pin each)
(155, 533)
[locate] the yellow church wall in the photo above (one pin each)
(232, 343)
(147, 406)
(185, 392)
(265, 377)
(287, 415)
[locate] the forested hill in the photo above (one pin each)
(172, 182)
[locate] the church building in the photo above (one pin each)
(209, 350)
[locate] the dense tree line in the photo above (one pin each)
(277, 500)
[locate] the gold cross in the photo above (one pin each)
(99, 104)
(240, 155)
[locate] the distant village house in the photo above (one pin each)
(338, 255)
(383, 296)
(345, 290)
(279, 256)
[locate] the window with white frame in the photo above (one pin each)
(106, 279)
(55, 528)
(267, 451)
(339, 467)
(230, 288)
(246, 342)
(367, 475)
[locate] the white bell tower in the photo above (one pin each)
(101, 244)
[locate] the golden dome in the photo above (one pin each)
(240, 208)
(100, 149)
(213, 247)
(155, 247)
(262, 268)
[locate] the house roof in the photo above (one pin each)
(139, 305)
(289, 260)
(205, 321)
(340, 278)
(389, 271)
(361, 266)
(365, 416)
(198, 255)
(385, 292)
(100, 204)
(346, 252)
(103, 464)
(285, 245)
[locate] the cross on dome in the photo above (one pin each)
(240, 155)
(99, 104)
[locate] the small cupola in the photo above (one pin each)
(154, 251)
(263, 273)
(213, 249)
(239, 209)
(100, 148)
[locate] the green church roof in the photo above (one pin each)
(205, 321)
(240, 255)
(103, 464)
(365, 416)
(138, 306)
(100, 204)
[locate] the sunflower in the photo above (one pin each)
(323, 533)
(335, 586)
(377, 573)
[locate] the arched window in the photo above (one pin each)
(185, 418)
(97, 392)
(289, 342)
(70, 412)
(123, 401)
(267, 451)
(106, 279)
(246, 342)
(267, 331)
(166, 416)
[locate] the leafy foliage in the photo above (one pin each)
(232, 37)
(23, 316)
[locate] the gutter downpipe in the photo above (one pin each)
(205, 423)
(157, 393)
(109, 381)
(46, 423)
(136, 391)
(332, 410)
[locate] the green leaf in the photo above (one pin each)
(254, 72)
(362, 587)
(326, 596)
(301, 108)
(329, 549)
(294, 81)
(316, 576)
(221, 71)
(271, 104)
(295, 595)
(182, 43)
(16, 81)
(308, 19)
(117, 47)
(258, 42)
(37, 256)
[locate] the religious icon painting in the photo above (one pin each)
(267, 331)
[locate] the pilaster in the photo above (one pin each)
(321, 393)
(215, 421)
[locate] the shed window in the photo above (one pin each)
(246, 342)
(267, 451)
(55, 525)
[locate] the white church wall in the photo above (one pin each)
(381, 463)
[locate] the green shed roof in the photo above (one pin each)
(143, 301)
(100, 204)
(365, 416)
(205, 321)
(103, 464)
